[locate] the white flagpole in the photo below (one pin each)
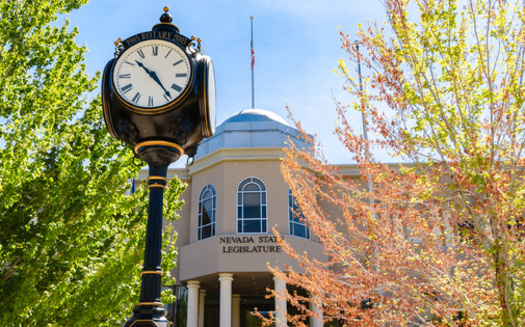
(365, 132)
(365, 126)
(253, 66)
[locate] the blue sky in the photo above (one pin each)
(297, 47)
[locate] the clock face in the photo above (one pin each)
(152, 74)
(211, 98)
(207, 96)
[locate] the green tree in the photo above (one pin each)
(71, 241)
(439, 239)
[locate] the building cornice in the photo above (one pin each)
(235, 155)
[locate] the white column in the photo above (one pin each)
(202, 296)
(225, 306)
(236, 310)
(280, 302)
(317, 307)
(193, 303)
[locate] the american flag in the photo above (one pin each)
(253, 58)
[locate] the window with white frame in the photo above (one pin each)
(207, 209)
(251, 207)
(296, 219)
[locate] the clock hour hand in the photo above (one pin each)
(154, 76)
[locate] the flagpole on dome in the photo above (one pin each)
(253, 65)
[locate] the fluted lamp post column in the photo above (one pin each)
(158, 96)
(150, 310)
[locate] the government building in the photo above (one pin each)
(236, 195)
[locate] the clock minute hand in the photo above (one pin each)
(154, 76)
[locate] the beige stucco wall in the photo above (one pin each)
(225, 169)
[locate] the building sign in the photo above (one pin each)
(166, 35)
(250, 244)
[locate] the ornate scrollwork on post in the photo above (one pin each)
(191, 152)
(119, 47)
(181, 128)
(129, 131)
(194, 48)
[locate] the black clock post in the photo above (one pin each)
(158, 96)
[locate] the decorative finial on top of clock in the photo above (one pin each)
(166, 17)
(165, 23)
(118, 46)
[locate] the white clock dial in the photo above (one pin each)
(152, 74)
(210, 100)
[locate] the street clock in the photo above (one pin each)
(159, 90)
(158, 96)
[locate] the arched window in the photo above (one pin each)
(296, 219)
(207, 205)
(251, 207)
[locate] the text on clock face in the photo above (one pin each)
(152, 74)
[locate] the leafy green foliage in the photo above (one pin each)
(71, 240)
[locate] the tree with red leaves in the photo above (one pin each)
(438, 239)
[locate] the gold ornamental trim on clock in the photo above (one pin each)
(152, 76)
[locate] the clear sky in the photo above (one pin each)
(297, 47)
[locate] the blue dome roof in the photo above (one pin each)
(251, 128)
(255, 115)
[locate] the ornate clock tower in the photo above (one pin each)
(158, 96)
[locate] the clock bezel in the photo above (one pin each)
(168, 106)
(208, 126)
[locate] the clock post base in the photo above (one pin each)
(149, 312)
(148, 316)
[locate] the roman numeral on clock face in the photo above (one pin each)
(150, 101)
(155, 50)
(141, 53)
(127, 88)
(136, 98)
